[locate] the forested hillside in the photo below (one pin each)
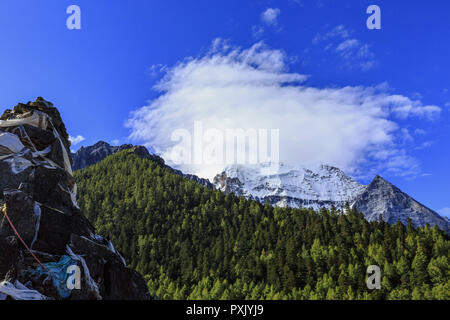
(197, 243)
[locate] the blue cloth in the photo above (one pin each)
(58, 274)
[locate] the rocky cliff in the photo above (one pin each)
(87, 156)
(44, 237)
(381, 198)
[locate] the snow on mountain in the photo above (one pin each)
(323, 186)
(288, 186)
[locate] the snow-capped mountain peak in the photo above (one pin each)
(325, 186)
(285, 185)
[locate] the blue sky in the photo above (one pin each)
(98, 75)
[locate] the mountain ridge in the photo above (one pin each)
(383, 198)
(327, 187)
(90, 155)
(192, 242)
(324, 186)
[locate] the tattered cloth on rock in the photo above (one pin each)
(58, 273)
(18, 291)
(42, 230)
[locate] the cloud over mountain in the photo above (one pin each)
(356, 128)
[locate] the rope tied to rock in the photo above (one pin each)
(5, 213)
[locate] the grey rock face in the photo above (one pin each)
(87, 156)
(228, 184)
(204, 182)
(38, 195)
(381, 198)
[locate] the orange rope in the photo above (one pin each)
(21, 240)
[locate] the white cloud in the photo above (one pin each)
(348, 45)
(76, 140)
(270, 19)
(445, 212)
(355, 128)
(270, 16)
(257, 32)
(156, 69)
(425, 145)
(115, 142)
(407, 137)
(298, 2)
(354, 52)
(420, 132)
(339, 31)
